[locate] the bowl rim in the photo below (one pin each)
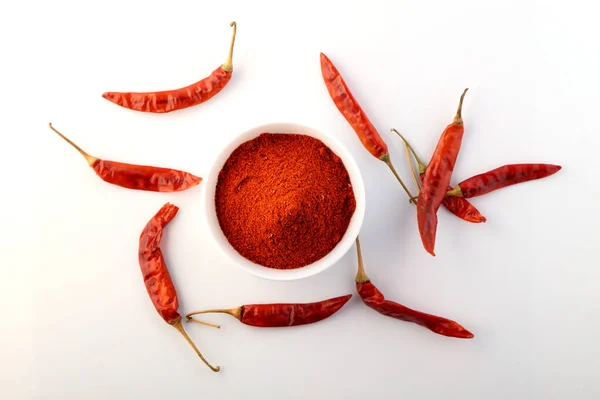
(343, 246)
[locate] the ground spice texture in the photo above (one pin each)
(284, 200)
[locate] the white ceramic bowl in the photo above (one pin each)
(279, 274)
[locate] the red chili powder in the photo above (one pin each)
(284, 200)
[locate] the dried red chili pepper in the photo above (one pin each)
(437, 178)
(139, 177)
(281, 314)
(178, 99)
(458, 206)
(353, 113)
(502, 177)
(157, 279)
(374, 299)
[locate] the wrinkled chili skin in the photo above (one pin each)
(157, 279)
(280, 315)
(504, 176)
(351, 110)
(171, 100)
(461, 207)
(143, 177)
(374, 299)
(436, 181)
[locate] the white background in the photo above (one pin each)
(77, 323)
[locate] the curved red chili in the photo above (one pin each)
(374, 299)
(139, 177)
(178, 99)
(348, 106)
(353, 113)
(281, 314)
(458, 206)
(156, 276)
(437, 178)
(502, 177)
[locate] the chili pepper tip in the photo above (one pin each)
(450, 328)
(459, 333)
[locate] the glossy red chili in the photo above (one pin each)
(140, 177)
(178, 99)
(502, 177)
(353, 113)
(374, 299)
(157, 279)
(281, 314)
(458, 206)
(437, 178)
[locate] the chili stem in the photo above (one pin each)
(90, 159)
(420, 164)
(189, 319)
(388, 161)
(458, 118)
(234, 312)
(361, 275)
(457, 191)
(411, 166)
(177, 324)
(228, 66)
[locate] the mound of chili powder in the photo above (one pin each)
(284, 200)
